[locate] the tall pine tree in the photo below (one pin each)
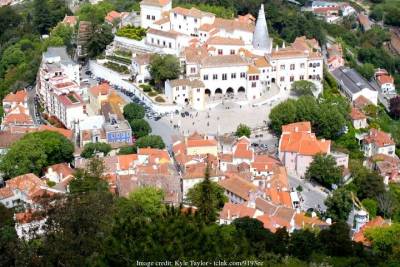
(207, 210)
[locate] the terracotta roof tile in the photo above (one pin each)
(218, 40)
(20, 96)
(101, 89)
(238, 186)
(379, 138)
(232, 211)
(356, 114)
(360, 235)
(303, 126)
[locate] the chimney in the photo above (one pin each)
(276, 48)
(283, 44)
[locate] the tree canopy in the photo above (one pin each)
(90, 179)
(328, 118)
(140, 127)
(133, 111)
(194, 195)
(34, 152)
(243, 130)
(339, 205)
(323, 170)
(303, 88)
(162, 68)
(153, 141)
(90, 149)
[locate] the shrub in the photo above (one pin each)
(159, 99)
(152, 93)
(132, 32)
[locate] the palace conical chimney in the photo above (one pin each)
(261, 40)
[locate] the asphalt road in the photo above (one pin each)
(312, 195)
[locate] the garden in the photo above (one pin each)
(132, 32)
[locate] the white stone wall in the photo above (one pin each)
(149, 14)
(234, 83)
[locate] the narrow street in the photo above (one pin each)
(312, 194)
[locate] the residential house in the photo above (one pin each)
(378, 142)
(385, 81)
(23, 190)
(13, 99)
(360, 237)
(358, 118)
(140, 67)
(353, 85)
(387, 166)
(298, 145)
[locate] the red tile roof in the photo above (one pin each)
(356, 114)
(303, 126)
(20, 96)
(382, 79)
(232, 211)
(112, 15)
(238, 186)
(376, 222)
(101, 89)
(70, 20)
(201, 143)
(379, 138)
(304, 144)
(27, 183)
(62, 168)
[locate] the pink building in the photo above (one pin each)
(298, 145)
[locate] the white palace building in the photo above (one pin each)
(225, 56)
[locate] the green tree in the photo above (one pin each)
(162, 68)
(243, 130)
(367, 70)
(323, 169)
(75, 230)
(303, 88)
(371, 205)
(140, 127)
(207, 207)
(125, 150)
(339, 205)
(91, 178)
(34, 152)
(101, 36)
(133, 111)
(385, 241)
(8, 237)
(283, 113)
(395, 107)
(336, 240)
(41, 16)
(90, 149)
(149, 200)
(153, 141)
(303, 243)
(194, 195)
(261, 239)
(369, 183)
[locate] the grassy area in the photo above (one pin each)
(123, 53)
(119, 59)
(131, 32)
(116, 67)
